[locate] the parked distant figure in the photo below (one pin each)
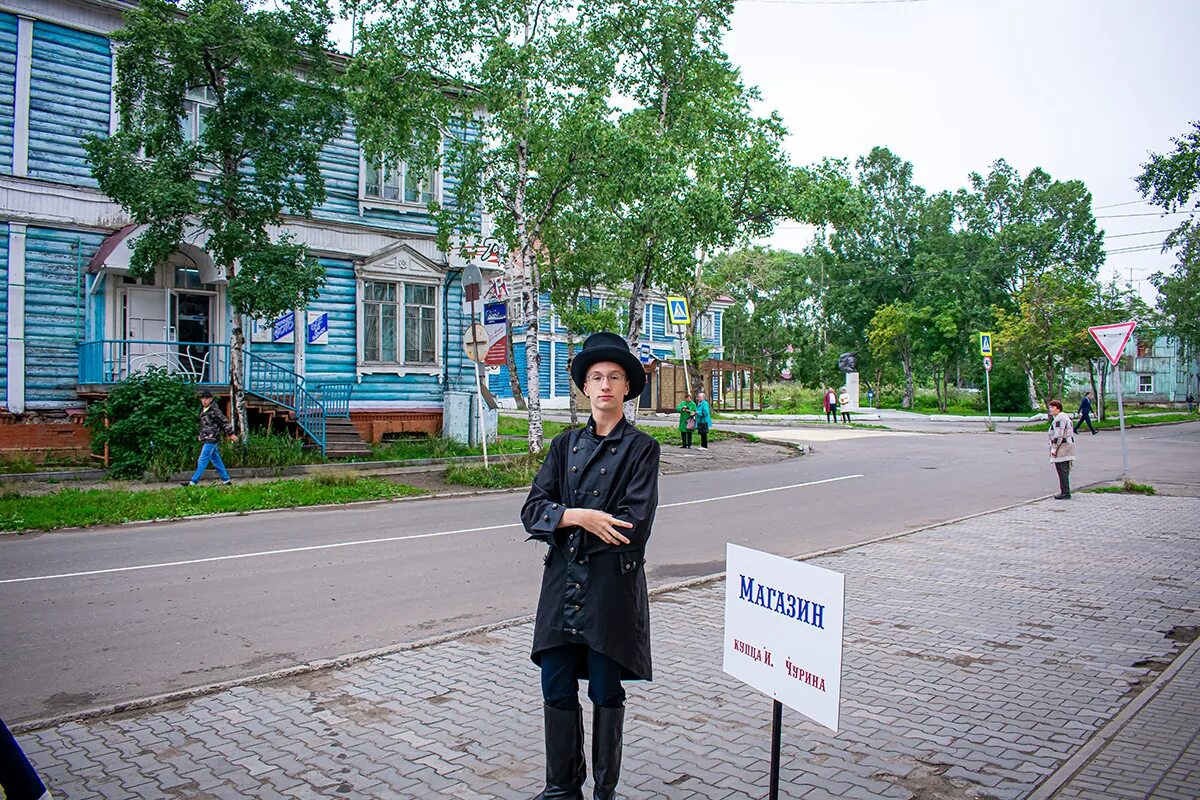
(831, 405)
(703, 419)
(1085, 413)
(1062, 448)
(687, 421)
(844, 405)
(212, 424)
(18, 778)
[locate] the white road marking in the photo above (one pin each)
(384, 540)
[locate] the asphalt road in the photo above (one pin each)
(94, 617)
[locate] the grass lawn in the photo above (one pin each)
(1127, 488)
(74, 508)
(508, 474)
(1113, 422)
(417, 448)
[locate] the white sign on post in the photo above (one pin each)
(783, 630)
(1112, 339)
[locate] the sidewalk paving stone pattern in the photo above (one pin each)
(978, 657)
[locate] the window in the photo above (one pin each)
(1145, 348)
(196, 108)
(706, 326)
(394, 182)
(419, 323)
(385, 340)
(1145, 384)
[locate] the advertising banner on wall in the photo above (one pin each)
(278, 331)
(783, 630)
(495, 321)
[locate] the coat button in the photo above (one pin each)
(603, 470)
(612, 450)
(574, 469)
(595, 493)
(545, 516)
(573, 632)
(574, 449)
(554, 505)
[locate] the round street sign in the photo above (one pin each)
(475, 342)
(987, 363)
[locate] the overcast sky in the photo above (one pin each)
(1082, 88)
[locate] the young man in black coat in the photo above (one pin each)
(593, 504)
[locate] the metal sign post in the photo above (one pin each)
(472, 288)
(776, 746)
(1112, 340)
(987, 379)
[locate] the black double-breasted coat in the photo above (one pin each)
(595, 593)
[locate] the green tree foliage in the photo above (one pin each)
(509, 94)
(274, 106)
(891, 334)
(1172, 182)
(1048, 330)
(147, 414)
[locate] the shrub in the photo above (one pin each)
(152, 416)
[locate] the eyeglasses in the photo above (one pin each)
(613, 377)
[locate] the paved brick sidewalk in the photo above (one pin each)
(1156, 752)
(979, 657)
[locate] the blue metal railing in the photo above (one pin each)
(109, 361)
(283, 387)
(335, 397)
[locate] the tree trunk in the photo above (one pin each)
(907, 401)
(937, 388)
(637, 301)
(237, 386)
(1092, 378)
(573, 399)
(1102, 397)
(514, 380)
(1031, 387)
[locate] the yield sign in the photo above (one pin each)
(1112, 339)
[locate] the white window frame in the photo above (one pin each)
(1149, 384)
(706, 325)
(399, 204)
(195, 100)
(401, 367)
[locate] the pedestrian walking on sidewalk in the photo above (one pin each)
(1191, 401)
(593, 503)
(18, 778)
(212, 424)
(844, 405)
(687, 421)
(703, 419)
(1062, 448)
(1085, 413)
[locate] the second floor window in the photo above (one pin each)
(397, 183)
(196, 108)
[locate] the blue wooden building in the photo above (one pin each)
(381, 346)
(378, 352)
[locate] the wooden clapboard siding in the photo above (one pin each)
(54, 309)
(8, 77)
(3, 314)
(69, 99)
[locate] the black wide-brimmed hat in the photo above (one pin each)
(608, 347)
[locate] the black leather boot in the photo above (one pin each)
(608, 726)
(566, 768)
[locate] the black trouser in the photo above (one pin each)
(1085, 419)
(563, 666)
(686, 435)
(703, 429)
(830, 414)
(1064, 477)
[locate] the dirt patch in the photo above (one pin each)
(728, 453)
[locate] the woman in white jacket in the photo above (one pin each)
(1062, 448)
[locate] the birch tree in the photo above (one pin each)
(509, 95)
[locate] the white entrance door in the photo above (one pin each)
(146, 325)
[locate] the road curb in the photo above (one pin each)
(320, 665)
(1100, 739)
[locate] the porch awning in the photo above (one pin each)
(116, 252)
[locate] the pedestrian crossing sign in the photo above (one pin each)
(985, 343)
(677, 306)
